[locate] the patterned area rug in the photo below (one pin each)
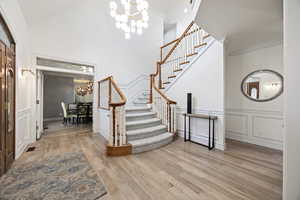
(64, 177)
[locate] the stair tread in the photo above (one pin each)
(145, 121)
(174, 76)
(183, 63)
(151, 140)
(192, 54)
(145, 130)
(178, 70)
(140, 114)
(200, 45)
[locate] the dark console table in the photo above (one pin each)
(211, 135)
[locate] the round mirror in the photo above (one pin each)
(262, 85)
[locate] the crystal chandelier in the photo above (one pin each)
(82, 91)
(134, 17)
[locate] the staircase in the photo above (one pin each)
(142, 100)
(151, 122)
(144, 130)
(183, 54)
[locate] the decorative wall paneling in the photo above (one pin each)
(263, 128)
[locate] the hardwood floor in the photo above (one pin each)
(179, 171)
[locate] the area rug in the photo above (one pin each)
(64, 177)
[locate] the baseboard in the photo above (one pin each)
(251, 140)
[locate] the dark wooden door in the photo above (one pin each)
(10, 107)
(7, 97)
(2, 109)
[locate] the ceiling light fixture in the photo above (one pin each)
(134, 18)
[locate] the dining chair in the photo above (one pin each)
(67, 116)
(82, 113)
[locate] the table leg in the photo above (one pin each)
(209, 129)
(213, 133)
(189, 128)
(185, 128)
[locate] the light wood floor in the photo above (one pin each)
(179, 171)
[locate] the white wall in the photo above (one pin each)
(25, 107)
(249, 121)
(291, 176)
(86, 33)
(188, 18)
(170, 35)
(205, 80)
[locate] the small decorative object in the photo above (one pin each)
(82, 91)
(134, 18)
(262, 85)
(189, 103)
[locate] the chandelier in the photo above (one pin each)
(82, 91)
(134, 17)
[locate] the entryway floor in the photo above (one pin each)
(179, 171)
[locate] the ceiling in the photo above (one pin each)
(245, 24)
(37, 11)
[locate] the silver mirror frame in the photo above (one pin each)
(264, 100)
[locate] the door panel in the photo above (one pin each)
(10, 108)
(2, 109)
(7, 97)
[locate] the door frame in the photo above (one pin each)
(39, 104)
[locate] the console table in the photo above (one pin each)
(211, 134)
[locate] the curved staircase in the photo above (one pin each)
(151, 123)
(144, 130)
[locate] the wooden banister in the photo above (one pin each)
(185, 44)
(113, 84)
(153, 86)
(117, 142)
(121, 94)
(177, 42)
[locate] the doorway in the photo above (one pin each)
(7, 97)
(63, 102)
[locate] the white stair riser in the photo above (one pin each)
(138, 111)
(146, 134)
(129, 119)
(137, 103)
(144, 125)
(149, 147)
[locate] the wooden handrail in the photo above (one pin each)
(112, 83)
(123, 98)
(177, 43)
(152, 85)
(173, 41)
(163, 95)
(169, 43)
(163, 61)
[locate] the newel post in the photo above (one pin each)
(159, 75)
(151, 91)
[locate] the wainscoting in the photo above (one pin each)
(24, 131)
(263, 128)
(199, 127)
